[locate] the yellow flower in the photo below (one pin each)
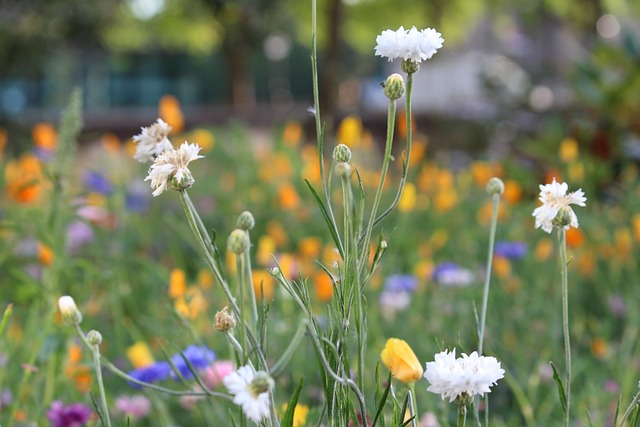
(203, 138)
(263, 282)
(568, 150)
(177, 283)
(350, 131)
(266, 250)
(544, 249)
(139, 355)
(408, 199)
(191, 304)
(299, 414)
(398, 357)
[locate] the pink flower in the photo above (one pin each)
(214, 374)
(136, 406)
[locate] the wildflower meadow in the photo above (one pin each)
(334, 276)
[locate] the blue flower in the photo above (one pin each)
(401, 283)
(97, 182)
(150, 374)
(511, 250)
(200, 357)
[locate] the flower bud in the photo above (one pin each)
(394, 86)
(341, 153)
(343, 170)
(275, 271)
(495, 186)
(400, 359)
(262, 383)
(70, 313)
(246, 221)
(94, 338)
(409, 66)
(383, 244)
(224, 321)
(238, 241)
(563, 218)
(183, 182)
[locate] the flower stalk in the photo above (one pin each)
(565, 320)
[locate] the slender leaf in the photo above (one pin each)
(556, 378)
(287, 419)
(327, 218)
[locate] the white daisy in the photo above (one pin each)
(554, 197)
(152, 141)
(250, 390)
(466, 375)
(415, 45)
(170, 169)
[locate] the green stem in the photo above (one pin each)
(462, 415)
(405, 168)
(241, 304)
(414, 404)
(103, 396)
(565, 320)
(249, 278)
(391, 117)
(485, 295)
(629, 410)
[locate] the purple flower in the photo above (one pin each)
(74, 415)
(97, 182)
(451, 274)
(150, 374)
(78, 234)
(43, 154)
(401, 283)
(511, 250)
(200, 358)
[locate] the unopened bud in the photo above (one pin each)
(94, 337)
(341, 153)
(70, 313)
(238, 241)
(262, 383)
(394, 86)
(495, 186)
(224, 321)
(383, 244)
(563, 218)
(275, 271)
(409, 66)
(246, 221)
(182, 183)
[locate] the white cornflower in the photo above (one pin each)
(152, 141)
(554, 197)
(170, 169)
(415, 45)
(466, 375)
(250, 390)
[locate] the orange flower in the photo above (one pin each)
(445, 200)
(45, 136)
(624, 241)
(502, 267)
(177, 283)
(512, 191)
(309, 247)
(288, 197)
(418, 151)
(4, 137)
(544, 249)
(169, 111)
(599, 348)
(263, 284)
(324, 286)
(277, 232)
(24, 179)
(400, 359)
(292, 134)
(482, 172)
(45, 254)
(205, 279)
(111, 143)
(575, 237)
(401, 123)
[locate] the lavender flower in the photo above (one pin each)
(150, 374)
(97, 182)
(451, 274)
(401, 283)
(200, 357)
